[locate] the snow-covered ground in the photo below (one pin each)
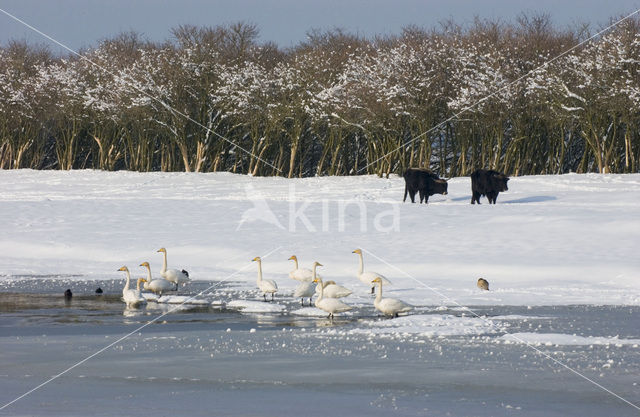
(559, 252)
(550, 240)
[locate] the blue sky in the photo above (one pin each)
(82, 23)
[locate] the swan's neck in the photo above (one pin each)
(379, 295)
(320, 285)
(164, 263)
(296, 261)
(149, 274)
(126, 286)
(360, 264)
(259, 272)
(138, 284)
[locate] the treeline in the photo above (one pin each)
(215, 99)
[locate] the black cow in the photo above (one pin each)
(423, 181)
(489, 183)
(415, 180)
(434, 186)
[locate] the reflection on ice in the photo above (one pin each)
(133, 311)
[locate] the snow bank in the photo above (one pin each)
(309, 312)
(182, 299)
(149, 296)
(429, 325)
(247, 306)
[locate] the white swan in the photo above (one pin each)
(325, 284)
(173, 275)
(157, 286)
(330, 288)
(133, 298)
(330, 305)
(265, 285)
(300, 274)
(335, 291)
(389, 306)
(367, 277)
(304, 290)
(138, 291)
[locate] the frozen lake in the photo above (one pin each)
(208, 360)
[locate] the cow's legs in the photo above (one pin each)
(475, 197)
(421, 196)
(412, 194)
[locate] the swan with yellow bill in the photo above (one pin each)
(329, 305)
(157, 286)
(133, 298)
(300, 274)
(368, 276)
(267, 286)
(389, 306)
(172, 275)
